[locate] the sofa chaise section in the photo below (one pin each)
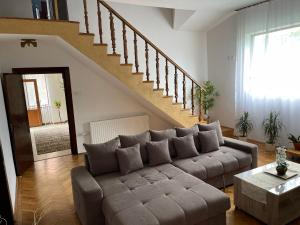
(161, 195)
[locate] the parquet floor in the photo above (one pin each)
(48, 184)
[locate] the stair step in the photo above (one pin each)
(160, 89)
(185, 110)
(168, 96)
(178, 103)
(98, 44)
(90, 34)
(118, 55)
(137, 73)
(148, 81)
(128, 64)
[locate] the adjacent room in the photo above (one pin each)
(47, 115)
(146, 112)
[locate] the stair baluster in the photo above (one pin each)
(192, 99)
(184, 91)
(112, 32)
(157, 71)
(125, 44)
(147, 61)
(100, 23)
(86, 18)
(167, 78)
(176, 85)
(136, 53)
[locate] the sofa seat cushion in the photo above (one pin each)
(162, 195)
(213, 164)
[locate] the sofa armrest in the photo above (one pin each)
(245, 147)
(87, 195)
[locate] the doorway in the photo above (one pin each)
(50, 9)
(31, 112)
(47, 115)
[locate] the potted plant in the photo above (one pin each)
(295, 141)
(244, 126)
(281, 167)
(272, 127)
(205, 97)
(57, 105)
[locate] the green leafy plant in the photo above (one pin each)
(205, 96)
(272, 127)
(244, 124)
(293, 138)
(57, 105)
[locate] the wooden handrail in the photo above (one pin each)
(136, 32)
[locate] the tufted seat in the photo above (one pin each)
(209, 165)
(161, 195)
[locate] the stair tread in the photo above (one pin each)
(88, 34)
(148, 81)
(160, 89)
(137, 73)
(98, 44)
(128, 64)
(118, 55)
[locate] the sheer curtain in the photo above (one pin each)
(268, 65)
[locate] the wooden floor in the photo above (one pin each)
(47, 185)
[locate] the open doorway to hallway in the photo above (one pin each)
(47, 115)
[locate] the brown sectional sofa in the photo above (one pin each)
(184, 192)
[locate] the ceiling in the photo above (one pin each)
(196, 15)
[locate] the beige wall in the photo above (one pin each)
(95, 97)
(16, 8)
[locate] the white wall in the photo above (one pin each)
(56, 93)
(94, 96)
(6, 148)
(221, 50)
(187, 48)
(16, 8)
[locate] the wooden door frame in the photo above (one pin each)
(68, 95)
(37, 96)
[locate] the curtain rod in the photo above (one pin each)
(249, 6)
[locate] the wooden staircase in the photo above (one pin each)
(138, 82)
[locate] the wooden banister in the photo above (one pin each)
(136, 32)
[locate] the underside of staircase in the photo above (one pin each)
(84, 43)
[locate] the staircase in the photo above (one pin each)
(174, 105)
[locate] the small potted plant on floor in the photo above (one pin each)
(244, 126)
(57, 105)
(272, 127)
(295, 141)
(205, 97)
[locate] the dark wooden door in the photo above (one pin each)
(6, 212)
(15, 103)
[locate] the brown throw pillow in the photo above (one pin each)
(142, 139)
(129, 159)
(102, 157)
(185, 147)
(181, 132)
(159, 135)
(209, 141)
(213, 126)
(158, 152)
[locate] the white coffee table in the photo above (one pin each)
(270, 199)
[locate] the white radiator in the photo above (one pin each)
(105, 130)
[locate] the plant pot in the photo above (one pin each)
(281, 170)
(297, 146)
(243, 138)
(270, 147)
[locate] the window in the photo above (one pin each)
(274, 69)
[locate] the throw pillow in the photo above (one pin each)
(159, 135)
(181, 132)
(213, 126)
(185, 147)
(129, 159)
(158, 152)
(209, 141)
(128, 141)
(102, 157)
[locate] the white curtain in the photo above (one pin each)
(268, 65)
